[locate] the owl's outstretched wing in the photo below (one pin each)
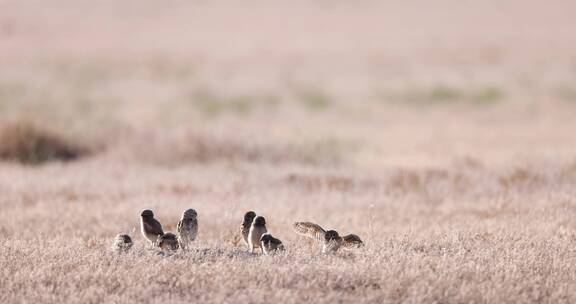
(352, 241)
(310, 230)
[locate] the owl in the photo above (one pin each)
(257, 229)
(331, 241)
(122, 243)
(246, 224)
(270, 244)
(168, 242)
(151, 229)
(187, 228)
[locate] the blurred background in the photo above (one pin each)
(365, 83)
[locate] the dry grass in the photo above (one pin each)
(277, 107)
(29, 144)
(429, 238)
(190, 147)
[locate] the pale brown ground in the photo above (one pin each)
(442, 133)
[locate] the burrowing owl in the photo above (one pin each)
(150, 227)
(270, 244)
(257, 229)
(122, 243)
(187, 228)
(168, 242)
(246, 224)
(331, 241)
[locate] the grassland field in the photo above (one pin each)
(443, 134)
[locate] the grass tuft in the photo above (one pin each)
(27, 143)
(192, 147)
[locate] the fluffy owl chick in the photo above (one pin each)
(151, 229)
(331, 241)
(270, 244)
(122, 243)
(257, 229)
(187, 228)
(246, 224)
(168, 242)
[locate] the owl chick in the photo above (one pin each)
(187, 228)
(331, 241)
(246, 224)
(122, 243)
(151, 229)
(257, 229)
(270, 244)
(168, 242)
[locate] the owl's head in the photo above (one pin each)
(189, 214)
(266, 238)
(147, 213)
(331, 235)
(123, 238)
(249, 217)
(259, 221)
(168, 242)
